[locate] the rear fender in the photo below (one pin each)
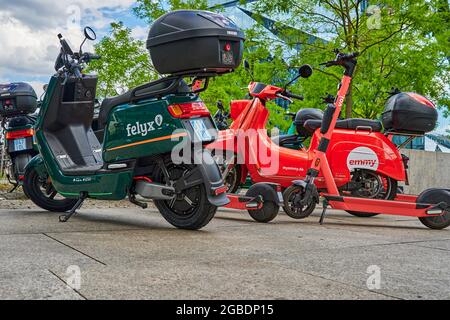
(37, 163)
(207, 173)
(269, 192)
(350, 150)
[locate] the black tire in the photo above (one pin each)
(437, 222)
(390, 194)
(436, 196)
(179, 212)
(294, 212)
(32, 185)
(267, 213)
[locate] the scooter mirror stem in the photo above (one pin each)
(247, 68)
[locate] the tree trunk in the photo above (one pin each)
(349, 103)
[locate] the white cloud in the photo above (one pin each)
(140, 33)
(28, 30)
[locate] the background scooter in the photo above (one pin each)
(18, 103)
(221, 116)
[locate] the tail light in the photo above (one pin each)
(421, 99)
(10, 135)
(188, 110)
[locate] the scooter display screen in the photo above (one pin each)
(258, 87)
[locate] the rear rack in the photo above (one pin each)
(411, 136)
(141, 92)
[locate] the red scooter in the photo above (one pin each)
(340, 150)
(364, 162)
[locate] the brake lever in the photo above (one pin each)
(285, 98)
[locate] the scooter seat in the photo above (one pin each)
(349, 124)
(286, 139)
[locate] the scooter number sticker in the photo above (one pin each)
(200, 129)
(20, 144)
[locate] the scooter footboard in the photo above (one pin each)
(392, 207)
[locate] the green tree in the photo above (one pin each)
(150, 10)
(403, 44)
(268, 64)
(124, 64)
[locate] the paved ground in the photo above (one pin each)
(130, 253)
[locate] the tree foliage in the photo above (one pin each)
(403, 44)
(124, 64)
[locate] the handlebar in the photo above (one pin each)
(87, 57)
(72, 61)
(340, 59)
(292, 95)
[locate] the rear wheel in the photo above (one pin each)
(189, 209)
(436, 196)
(269, 210)
(437, 222)
(372, 186)
(267, 213)
(41, 191)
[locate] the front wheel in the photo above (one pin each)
(293, 206)
(189, 209)
(41, 191)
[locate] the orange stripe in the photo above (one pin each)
(173, 136)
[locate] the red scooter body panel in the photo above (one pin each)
(348, 150)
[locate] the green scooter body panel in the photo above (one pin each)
(143, 129)
(104, 186)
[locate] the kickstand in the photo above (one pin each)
(325, 207)
(65, 218)
(13, 189)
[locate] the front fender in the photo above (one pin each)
(37, 163)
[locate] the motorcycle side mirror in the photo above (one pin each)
(90, 34)
(305, 71)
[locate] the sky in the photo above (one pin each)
(28, 29)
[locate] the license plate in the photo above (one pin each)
(200, 129)
(20, 144)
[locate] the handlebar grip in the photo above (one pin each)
(90, 56)
(294, 96)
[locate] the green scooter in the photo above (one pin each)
(140, 129)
